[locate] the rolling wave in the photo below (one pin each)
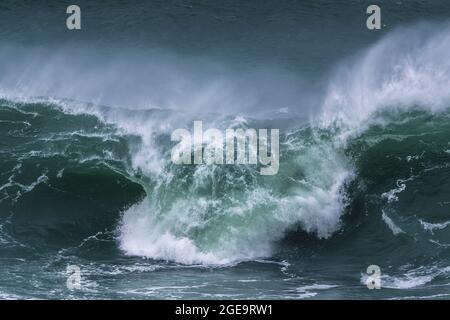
(370, 174)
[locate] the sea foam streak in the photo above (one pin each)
(217, 215)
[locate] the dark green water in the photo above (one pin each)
(85, 171)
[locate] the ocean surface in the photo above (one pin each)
(86, 178)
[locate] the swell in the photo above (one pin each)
(63, 183)
(63, 177)
(370, 173)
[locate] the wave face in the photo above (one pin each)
(365, 181)
(214, 214)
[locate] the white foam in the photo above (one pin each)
(431, 227)
(394, 228)
(391, 195)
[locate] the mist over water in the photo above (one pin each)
(136, 79)
(85, 171)
(406, 69)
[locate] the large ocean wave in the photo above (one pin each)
(369, 172)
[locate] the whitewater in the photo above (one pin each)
(363, 179)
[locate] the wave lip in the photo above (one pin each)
(408, 69)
